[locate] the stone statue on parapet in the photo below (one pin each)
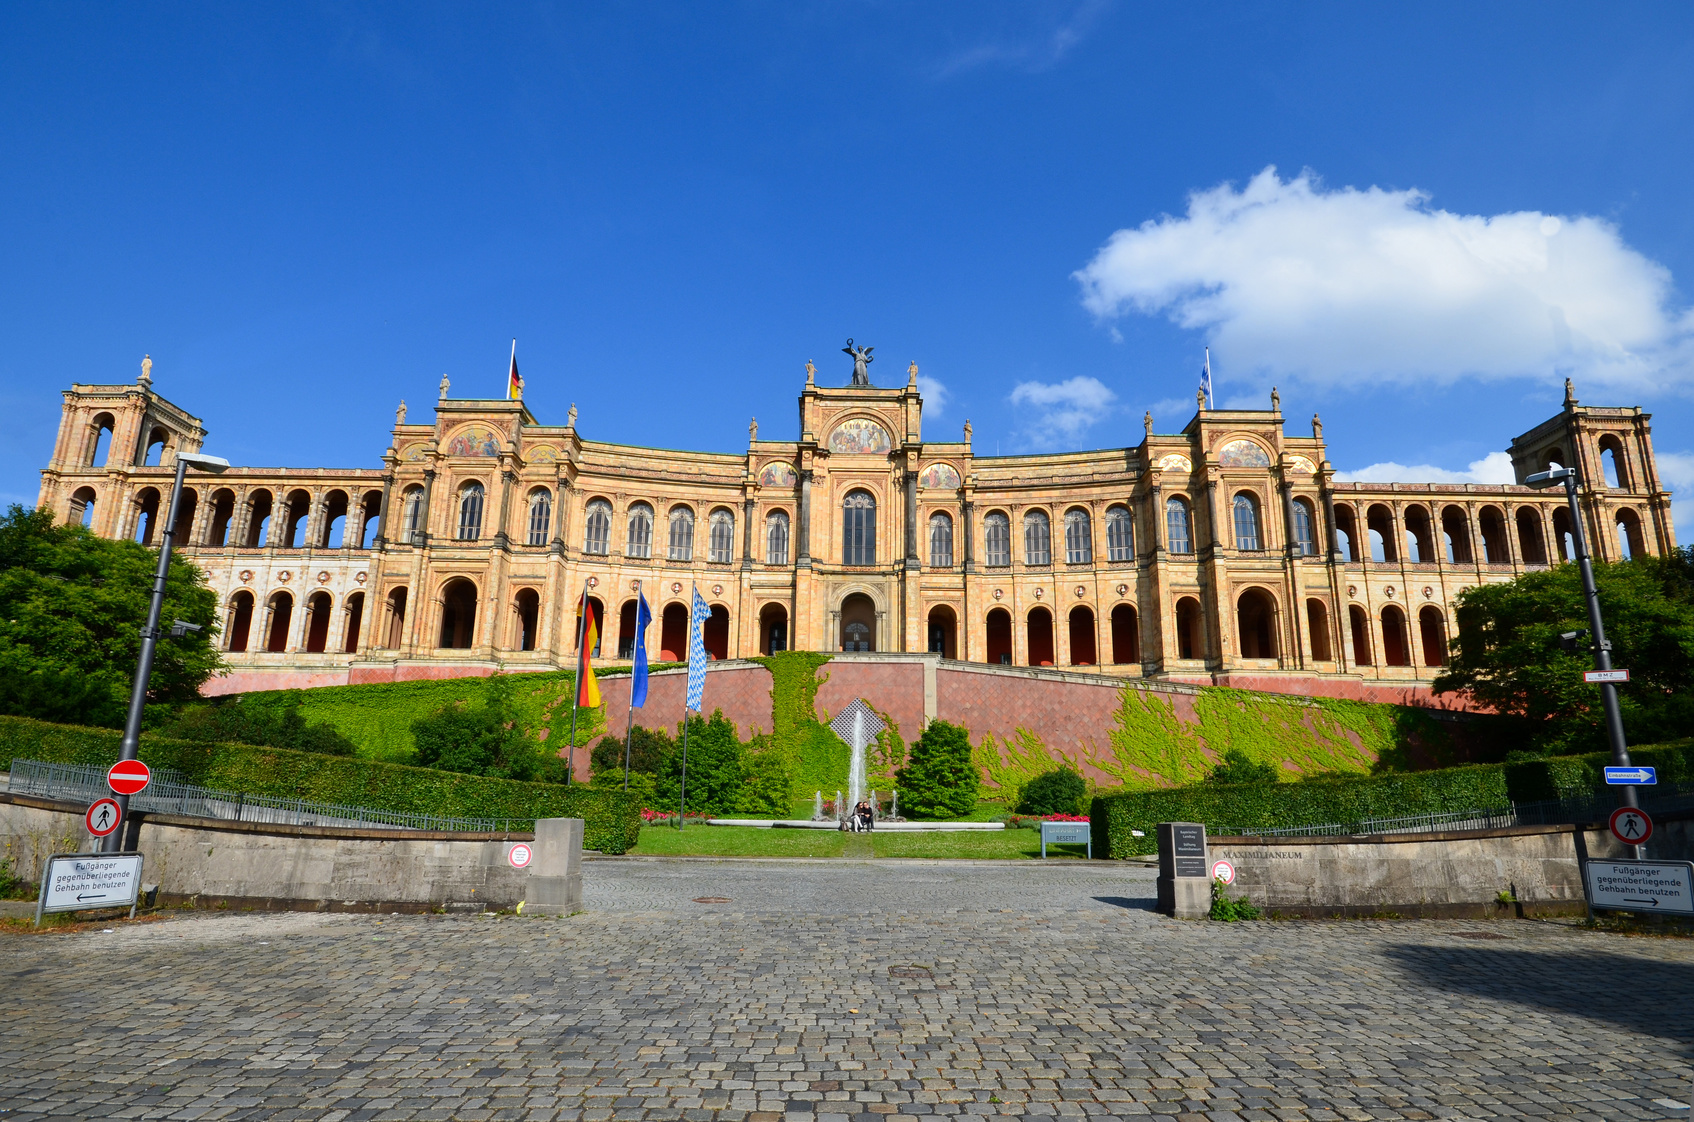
(570, 418)
(400, 414)
(861, 359)
(444, 385)
(752, 430)
(811, 371)
(146, 369)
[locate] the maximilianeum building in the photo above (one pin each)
(1226, 553)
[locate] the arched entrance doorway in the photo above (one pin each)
(458, 614)
(1190, 638)
(1255, 616)
(943, 632)
(317, 622)
(1125, 632)
(240, 620)
(1040, 637)
(714, 633)
(1082, 636)
(673, 633)
(773, 629)
(858, 623)
(999, 634)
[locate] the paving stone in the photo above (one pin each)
(1047, 991)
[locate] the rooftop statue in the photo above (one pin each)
(861, 359)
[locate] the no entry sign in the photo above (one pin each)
(128, 777)
(1631, 826)
(519, 855)
(102, 818)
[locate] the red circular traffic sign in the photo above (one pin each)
(1224, 871)
(1631, 826)
(128, 777)
(519, 855)
(103, 817)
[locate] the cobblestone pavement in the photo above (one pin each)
(835, 991)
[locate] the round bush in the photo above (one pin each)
(1061, 791)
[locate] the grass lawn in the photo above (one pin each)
(752, 841)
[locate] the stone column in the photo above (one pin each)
(747, 533)
(421, 536)
(967, 530)
(803, 531)
(381, 539)
(500, 537)
(912, 561)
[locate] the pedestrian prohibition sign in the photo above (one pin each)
(128, 777)
(102, 818)
(1631, 826)
(1224, 871)
(519, 855)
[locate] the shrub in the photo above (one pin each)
(1061, 791)
(715, 768)
(939, 779)
(1226, 910)
(281, 725)
(648, 751)
(1237, 768)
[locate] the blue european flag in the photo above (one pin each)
(697, 652)
(643, 617)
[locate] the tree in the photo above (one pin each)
(1508, 657)
(1238, 768)
(483, 740)
(940, 780)
(715, 756)
(72, 606)
(1060, 791)
(648, 751)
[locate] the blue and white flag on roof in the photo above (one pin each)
(697, 651)
(643, 617)
(1206, 378)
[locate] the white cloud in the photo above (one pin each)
(934, 395)
(1032, 51)
(1056, 415)
(1676, 471)
(1287, 277)
(1496, 467)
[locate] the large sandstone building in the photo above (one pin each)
(1225, 553)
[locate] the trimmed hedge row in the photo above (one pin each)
(612, 820)
(1323, 801)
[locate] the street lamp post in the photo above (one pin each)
(150, 633)
(1602, 649)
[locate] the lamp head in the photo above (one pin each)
(212, 464)
(1552, 477)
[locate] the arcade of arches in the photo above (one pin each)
(483, 538)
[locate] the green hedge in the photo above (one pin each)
(1330, 800)
(612, 820)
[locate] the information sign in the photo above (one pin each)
(73, 882)
(1595, 677)
(519, 855)
(1188, 849)
(128, 777)
(102, 818)
(1631, 826)
(1067, 833)
(1224, 871)
(1642, 886)
(1632, 776)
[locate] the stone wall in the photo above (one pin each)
(211, 863)
(1456, 873)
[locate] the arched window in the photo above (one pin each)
(540, 519)
(1037, 539)
(640, 543)
(1120, 534)
(1079, 537)
(1305, 542)
(412, 512)
(722, 525)
(1177, 532)
(1612, 463)
(597, 530)
(858, 529)
(776, 538)
(997, 541)
(940, 540)
(1246, 510)
(682, 534)
(470, 512)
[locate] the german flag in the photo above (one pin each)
(587, 689)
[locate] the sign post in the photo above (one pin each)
(74, 882)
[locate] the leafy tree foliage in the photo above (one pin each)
(1507, 656)
(716, 766)
(940, 780)
(1237, 768)
(483, 740)
(230, 721)
(1060, 791)
(72, 606)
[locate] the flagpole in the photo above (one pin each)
(629, 725)
(682, 798)
(576, 676)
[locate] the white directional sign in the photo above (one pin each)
(1597, 676)
(1642, 886)
(74, 881)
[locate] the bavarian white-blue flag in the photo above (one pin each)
(697, 651)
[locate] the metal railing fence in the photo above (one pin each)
(1593, 807)
(168, 793)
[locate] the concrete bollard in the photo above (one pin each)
(555, 872)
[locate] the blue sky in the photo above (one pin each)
(1416, 222)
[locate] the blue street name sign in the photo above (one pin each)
(1632, 776)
